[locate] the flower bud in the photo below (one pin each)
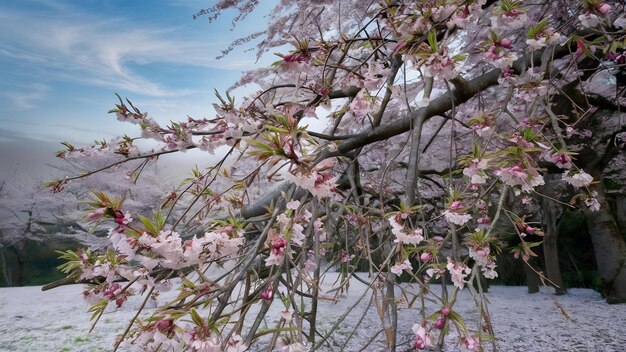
(441, 322)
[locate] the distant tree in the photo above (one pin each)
(439, 114)
(29, 213)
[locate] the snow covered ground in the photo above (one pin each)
(32, 320)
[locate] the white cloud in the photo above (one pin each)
(99, 51)
(27, 97)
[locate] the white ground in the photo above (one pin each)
(32, 320)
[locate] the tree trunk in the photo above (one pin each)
(609, 249)
(532, 279)
(6, 274)
(550, 218)
(18, 250)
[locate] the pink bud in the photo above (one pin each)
(446, 311)
(455, 205)
(440, 323)
(96, 214)
(164, 325)
(426, 257)
(279, 243)
(505, 43)
(603, 8)
(268, 293)
(419, 343)
(580, 46)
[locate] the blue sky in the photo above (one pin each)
(62, 62)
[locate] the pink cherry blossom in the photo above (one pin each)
(471, 343)
(422, 339)
(426, 257)
(402, 235)
(476, 171)
(579, 179)
(562, 160)
(592, 202)
(268, 293)
(399, 267)
(603, 8)
(458, 272)
(518, 175)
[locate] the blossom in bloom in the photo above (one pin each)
(509, 20)
(197, 339)
(345, 256)
(457, 218)
(287, 314)
(422, 338)
(561, 159)
(399, 267)
(592, 202)
(277, 252)
(489, 270)
(222, 243)
(456, 214)
(475, 171)
(471, 343)
(235, 344)
(458, 272)
(620, 23)
(440, 66)
(293, 204)
(310, 264)
(320, 184)
(121, 218)
(544, 37)
(374, 76)
(580, 179)
(360, 107)
(435, 272)
(518, 175)
(500, 58)
(479, 254)
(403, 236)
(297, 234)
(589, 20)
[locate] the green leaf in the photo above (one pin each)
(197, 318)
(535, 30)
(98, 308)
(432, 41)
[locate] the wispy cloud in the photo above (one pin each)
(27, 96)
(102, 51)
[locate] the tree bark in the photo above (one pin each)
(609, 249)
(532, 279)
(20, 256)
(6, 274)
(552, 212)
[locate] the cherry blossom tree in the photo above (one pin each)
(30, 214)
(445, 119)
